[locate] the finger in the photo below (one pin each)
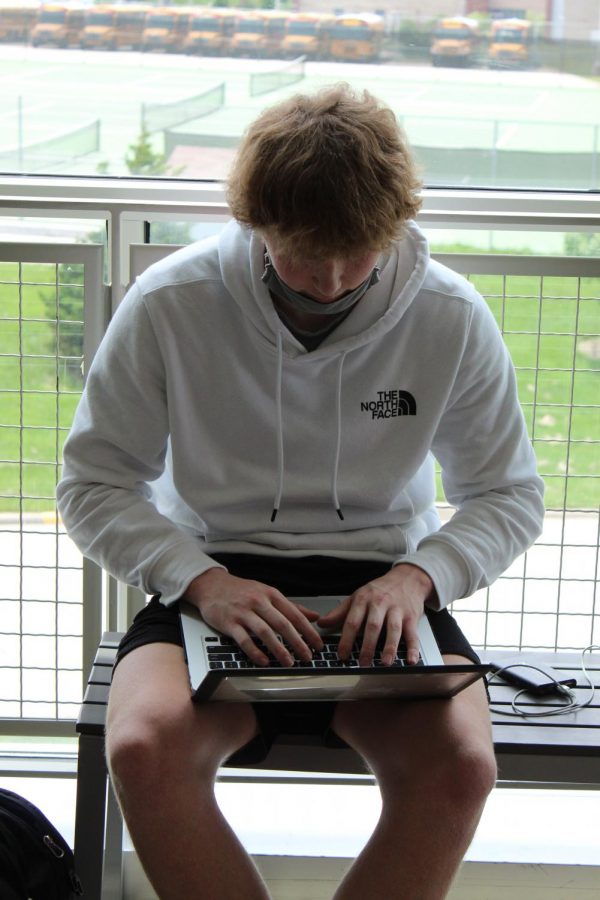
(296, 615)
(411, 638)
(310, 614)
(288, 627)
(256, 630)
(248, 645)
(306, 629)
(335, 615)
(294, 640)
(373, 627)
(352, 625)
(393, 633)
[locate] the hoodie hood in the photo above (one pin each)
(402, 272)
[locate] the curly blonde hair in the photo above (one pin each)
(327, 174)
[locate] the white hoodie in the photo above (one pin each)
(203, 414)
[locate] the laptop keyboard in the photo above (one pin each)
(224, 653)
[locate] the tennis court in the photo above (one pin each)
(464, 124)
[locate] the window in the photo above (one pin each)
(491, 93)
(501, 104)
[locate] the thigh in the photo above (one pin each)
(150, 706)
(417, 735)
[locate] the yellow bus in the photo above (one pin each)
(357, 38)
(307, 34)
(166, 28)
(210, 31)
(456, 42)
(17, 19)
(58, 25)
(118, 27)
(258, 33)
(99, 28)
(130, 21)
(512, 44)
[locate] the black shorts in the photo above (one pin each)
(303, 577)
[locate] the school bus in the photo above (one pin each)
(307, 34)
(58, 25)
(99, 28)
(166, 28)
(258, 33)
(356, 38)
(512, 44)
(116, 27)
(456, 42)
(17, 19)
(130, 24)
(209, 32)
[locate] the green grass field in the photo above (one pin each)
(551, 339)
(39, 387)
(548, 336)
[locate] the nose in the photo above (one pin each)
(328, 278)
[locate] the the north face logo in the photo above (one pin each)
(390, 404)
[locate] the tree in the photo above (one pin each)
(142, 159)
(584, 244)
(64, 310)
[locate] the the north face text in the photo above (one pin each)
(389, 404)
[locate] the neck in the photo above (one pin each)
(305, 321)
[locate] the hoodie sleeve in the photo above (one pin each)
(488, 471)
(118, 443)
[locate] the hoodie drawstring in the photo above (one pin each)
(279, 430)
(338, 440)
(280, 460)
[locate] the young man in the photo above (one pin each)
(261, 422)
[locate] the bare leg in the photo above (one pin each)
(434, 763)
(164, 752)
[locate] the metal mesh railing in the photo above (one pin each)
(51, 318)
(549, 312)
(44, 293)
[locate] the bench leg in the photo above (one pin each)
(90, 814)
(112, 881)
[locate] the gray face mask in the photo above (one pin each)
(274, 283)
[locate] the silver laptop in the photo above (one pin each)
(219, 670)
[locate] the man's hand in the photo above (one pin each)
(241, 608)
(393, 603)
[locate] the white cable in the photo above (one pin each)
(572, 704)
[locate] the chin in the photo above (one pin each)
(325, 300)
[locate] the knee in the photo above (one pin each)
(141, 750)
(162, 743)
(466, 775)
(458, 776)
